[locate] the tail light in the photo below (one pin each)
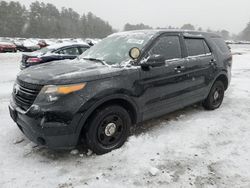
(34, 60)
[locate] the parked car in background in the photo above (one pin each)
(29, 45)
(7, 45)
(52, 53)
(19, 43)
(42, 43)
(92, 42)
(125, 79)
(51, 41)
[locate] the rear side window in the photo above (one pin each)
(220, 43)
(196, 47)
(69, 51)
(207, 49)
(83, 49)
(167, 46)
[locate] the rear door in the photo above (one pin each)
(200, 66)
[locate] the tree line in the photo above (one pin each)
(46, 21)
(244, 35)
(42, 20)
(224, 33)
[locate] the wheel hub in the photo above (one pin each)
(216, 95)
(110, 129)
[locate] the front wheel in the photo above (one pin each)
(108, 129)
(215, 97)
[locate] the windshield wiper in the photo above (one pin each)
(97, 60)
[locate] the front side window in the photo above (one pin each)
(196, 47)
(168, 47)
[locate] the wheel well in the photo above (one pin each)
(125, 104)
(224, 80)
(121, 102)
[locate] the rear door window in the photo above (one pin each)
(167, 46)
(207, 49)
(69, 51)
(82, 49)
(196, 47)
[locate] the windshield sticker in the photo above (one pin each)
(135, 41)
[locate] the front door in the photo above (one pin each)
(163, 86)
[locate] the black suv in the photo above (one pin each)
(125, 79)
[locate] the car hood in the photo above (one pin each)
(67, 72)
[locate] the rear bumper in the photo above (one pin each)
(8, 49)
(54, 135)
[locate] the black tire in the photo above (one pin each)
(108, 129)
(215, 97)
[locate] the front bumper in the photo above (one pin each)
(55, 135)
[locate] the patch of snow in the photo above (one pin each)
(153, 171)
(74, 152)
(188, 148)
(89, 152)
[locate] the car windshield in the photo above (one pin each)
(115, 48)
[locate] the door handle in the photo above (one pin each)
(179, 69)
(212, 62)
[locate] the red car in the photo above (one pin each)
(7, 47)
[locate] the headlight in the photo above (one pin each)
(51, 93)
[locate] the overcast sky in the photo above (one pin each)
(232, 15)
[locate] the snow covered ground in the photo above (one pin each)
(188, 148)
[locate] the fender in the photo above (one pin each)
(221, 73)
(111, 94)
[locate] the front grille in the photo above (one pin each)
(25, 94)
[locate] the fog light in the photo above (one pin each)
(35, 109)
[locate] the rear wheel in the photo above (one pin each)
(108, 129)
(215, 97)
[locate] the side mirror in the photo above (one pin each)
(134, 53)
(154, 61)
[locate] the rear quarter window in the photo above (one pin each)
(221, 44)
(83, 49)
